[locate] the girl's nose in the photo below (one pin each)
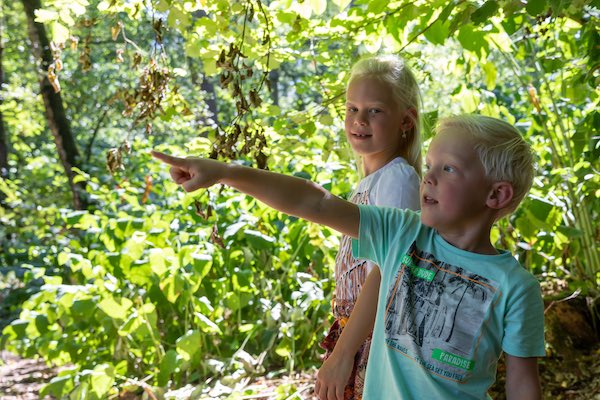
(361, 119)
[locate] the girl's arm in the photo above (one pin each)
(335, 371)
(522, 379)
(291, 195)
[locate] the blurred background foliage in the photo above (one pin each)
(112, 271)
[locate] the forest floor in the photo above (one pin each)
(574, 378)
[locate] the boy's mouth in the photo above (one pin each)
(429, 200)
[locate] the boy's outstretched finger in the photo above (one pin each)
(171, 160)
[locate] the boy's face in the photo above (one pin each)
(454, 188)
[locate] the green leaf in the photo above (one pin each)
(202, 264)
(43, 16)
(483, 13)
(342, 4)
(259, 240)
(60, 33)
(473, 40)
(102, 379)
(437, 33)
(167, 366)
(115, 309)
(377, 6)
(490, 74)
(206, 325)
(57, 387)
(158, 261)
(189, 344)
(318, 6)
(535, 7)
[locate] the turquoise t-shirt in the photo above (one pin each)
(444, 315)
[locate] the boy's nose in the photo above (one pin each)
(428, 177)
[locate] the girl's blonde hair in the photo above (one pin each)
(505, 155)
(393, 71)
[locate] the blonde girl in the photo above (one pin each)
(383, 128)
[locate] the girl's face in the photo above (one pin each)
(373, 122)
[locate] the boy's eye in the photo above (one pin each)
(351, 109)
(448, 168)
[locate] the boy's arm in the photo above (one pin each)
(522, 379)
(291, 195)
(333, 376)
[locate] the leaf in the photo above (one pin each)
(102, 379)
(206, 324)
(42, 16)
(259, 240)
(318, 6)
(115, 310)
(158, 261)
(483, 13)
(189, 344)
(342, 4)
(535, 7)
(437, 33)
(167, 365)
(202, 264)
(59, 32)
(58, 387)
(473, 40)
(377, 6)
(490, 74)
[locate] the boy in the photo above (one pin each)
(449, 302)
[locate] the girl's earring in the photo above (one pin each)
(403, 134)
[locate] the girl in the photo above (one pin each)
(382, 126)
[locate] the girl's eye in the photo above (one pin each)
(374, 110)
(351, 109)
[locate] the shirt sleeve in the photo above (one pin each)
(378, 226)
(397, 187)
(524, 321)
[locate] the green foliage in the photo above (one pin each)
(150, 288)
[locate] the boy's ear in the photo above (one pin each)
(500, 196)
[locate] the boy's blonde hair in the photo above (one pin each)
(505, 155)
(393, 71)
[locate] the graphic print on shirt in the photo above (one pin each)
(350, 273)
(434, 314)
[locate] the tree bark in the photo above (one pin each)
(3, 134)
(274, 78)
(55, 113)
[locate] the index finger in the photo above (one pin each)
(171, 160)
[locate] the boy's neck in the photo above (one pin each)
(475, 240)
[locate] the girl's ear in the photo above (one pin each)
(408, 119)
(500, 196)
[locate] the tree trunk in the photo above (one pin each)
(55, 112)
(3, 135)
(274, 78)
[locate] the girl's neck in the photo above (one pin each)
(372, 164)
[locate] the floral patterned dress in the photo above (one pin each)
(394, 185)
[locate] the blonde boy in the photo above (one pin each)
(449, 302)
